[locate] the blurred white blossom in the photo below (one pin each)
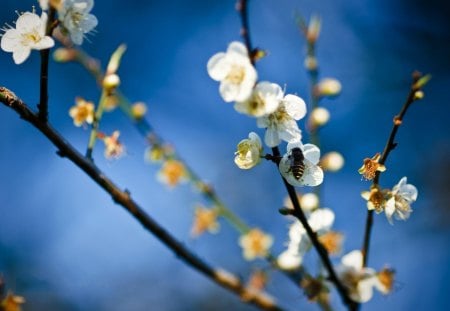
(76, 20)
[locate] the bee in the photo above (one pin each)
(296, 163)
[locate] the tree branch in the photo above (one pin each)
(390, 145)
(123, 198)
(43, 94)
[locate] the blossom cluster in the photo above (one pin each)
(274, 111)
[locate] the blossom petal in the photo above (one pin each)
(10, 40)
(46, 43)
(88, 23)
(218, 67)
(295, 106)
(20, 55)
(321, 220)
(238, 48)
(229, 91)
(353, 260)
(289, 260)
(262, 122)
(312, 176)
(271, 138)
(409, 192)
(311, 153)
(28, 21)
(291, 132)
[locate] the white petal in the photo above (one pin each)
(271, 138)
(218, 67)
(10, 40)
(291, 132)
(321, 220)
(293, 145)
(45, 43)
(238, 48)
(296, 232)
(255, 139)
(272, 94)
(295, 106)
(228, 91)
(312, 175)
(311, 153)
(27, 22)
(389, 209)
(262, 122)
(408, 192)
(20, 55)
(288, 260)
(365, 289)
(76, 37)
(88, 23)
(353, 260)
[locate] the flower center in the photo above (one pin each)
(236, 74)
(31, 37)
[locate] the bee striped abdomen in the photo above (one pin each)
(297, 165)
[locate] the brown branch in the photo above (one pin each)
(43, 94)
(390, 145)
(123, 198)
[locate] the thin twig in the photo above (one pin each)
(43, 94)
(123, 198)
(298, 212)
(390, 145)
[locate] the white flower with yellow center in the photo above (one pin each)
(264, 100)
(281, 124)
(359, 281)
(248, 152)
(312, 174)
(76, 20)
(28, 35)
(399, 206)
(320, 221)
(235, 72)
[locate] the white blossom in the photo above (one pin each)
(248, 152)
(76, 20)
(399, 206)
(264, 100)
(281, 124)
(358, 280)
(312, 173)
(299, 243)
(235, 72)
(28, 35)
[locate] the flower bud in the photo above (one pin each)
(310, 63)
(309, 201)
(332, 161)
(111, 81)
(64, 55)
(138, 110)
(319, 117)
(329, 87)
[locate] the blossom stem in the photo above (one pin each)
(96, 124)
(43, 93)
(390, 145)
(223, 278)
(242, 8)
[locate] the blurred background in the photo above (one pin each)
(64, 245)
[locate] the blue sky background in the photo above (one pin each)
(64, 245)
